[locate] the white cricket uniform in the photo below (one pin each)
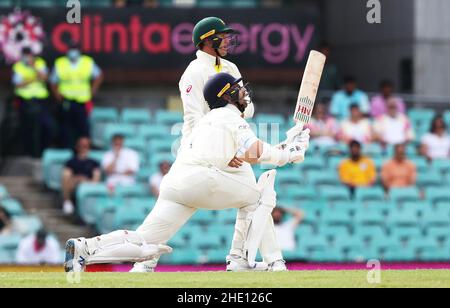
(199, 180)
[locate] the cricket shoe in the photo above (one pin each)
(145, 267)
(76, 255)
(278, 266)
(239, 264)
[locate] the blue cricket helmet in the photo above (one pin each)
(216, 87)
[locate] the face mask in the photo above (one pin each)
(73, 54)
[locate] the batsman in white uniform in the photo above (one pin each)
(215, 40)
(200, 179)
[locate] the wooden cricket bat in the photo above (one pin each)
(308, 92)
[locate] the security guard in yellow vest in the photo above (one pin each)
(75, 79)
(30, 75)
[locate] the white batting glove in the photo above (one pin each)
(303, 137)
(296, 151)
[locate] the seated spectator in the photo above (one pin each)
(398, 172)
(436, 144)
(120, 164)
(378, 105)
(155, 179)
(357, 127)
(39, 248)
(324, 128)
(393, 127)
(358, 170)
(79, 169)
(341, 100)
(285, 230)
(5, 222)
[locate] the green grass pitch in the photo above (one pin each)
(293, 279)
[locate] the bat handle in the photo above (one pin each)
(294, 131)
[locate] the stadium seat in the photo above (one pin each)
(203, 217)
(373, 150)
(335, 217)
(206, 240)
(127, 130)
(130, 191)
(298, 254)
(228, 216)
(155, 159)
(419, 206)
(405, 232)
(100, 118)
(105, 209)
(53, 162)
(369, 216)
(304, 231)
(136, 116)
(9, 242)
(144, 173)
(3, 192)
(435, 254)
(127, 217)
(27, 224)
(398, 254)
(404, 217)
(333, 232)
(399, 195)
(145, 204)
(12, 206)
(178, 241)
(7, 256)
(288, 179)
(165, 146)
(335, 193)
(244, 3)
(313, 163)
(334, 163)
(314, 242)
(138, 144)
(422, 243)
(363, 194)
(97, 155)
(328, 254)
(349, 206)
(383, 242)
(300, 193)
(441, 165)
(440, 217)
(217, 256)
(421, 163)
(422, 116)
(151, 132)
(434, 194)
(369, 232)
(438, 232)
(347, 242)
(385, 206)
(87, 194)
(340, 150)
(323, 178)
(185, 256)
(168, 118)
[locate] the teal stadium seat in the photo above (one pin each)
(438, 217)
(10, 242)
(132, 191)
(327, 254)
(369, 232)
(136, 116)
(97, 155)
(403, 217)
(323, 178)
(316, 163)
(439, 232)
(105, 209)
(364, 194)
(87, 194)
(421, 115)
(369, 216)
(145, 204)
(127, 217)
(335, 193)
(3, 192)
(27, 224)
(441, 165)
(400, 254)
(144, 173)
(373, 150)
(151, 132)
(127, 130)
(314, 242)
(217, 256)
(421, 163)
(422, 243)
(226, 217)
(333, 232)
(100, 118)
(186, 256)
(204, 217)
(156, 158)
(336, 217)
(405, 231)
(168, 118)
(432, 178)
(300, 193)
(137, 144)
(435, 195)
(399, 195)
(206, 240)
(12, 206)
(435, 254)
(178, 241)
(162, 146)
(53, 162)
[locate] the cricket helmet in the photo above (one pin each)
(209, 27)
(216, 87)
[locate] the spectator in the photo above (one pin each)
(330, 78)
(29, 78)
(285, 231)
(341, 100)
(324, 128)
(5, 222)
(155, 180)
(120, 164)
(75, 80)
(393, 127)
(358, 170)
(378, 105)
(436, 144)
(39, 248)
(356, 127)
(80, 169)
(398, 172)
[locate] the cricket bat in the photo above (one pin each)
(308, 92)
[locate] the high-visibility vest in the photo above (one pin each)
(75, 82)
(37, 88)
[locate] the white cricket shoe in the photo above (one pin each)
(278, 266)
(145, 267)
(239, 264)
(76, 255)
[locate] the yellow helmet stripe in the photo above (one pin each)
(207, 34)
(227, 86)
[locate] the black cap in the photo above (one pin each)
(216, 87)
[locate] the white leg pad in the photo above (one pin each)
(261, 215)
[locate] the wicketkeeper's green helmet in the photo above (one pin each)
(208, 27)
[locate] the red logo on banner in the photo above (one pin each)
(189, 89)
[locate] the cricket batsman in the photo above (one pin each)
(214, 41)
(200, 179)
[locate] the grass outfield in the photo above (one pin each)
(293, 279)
